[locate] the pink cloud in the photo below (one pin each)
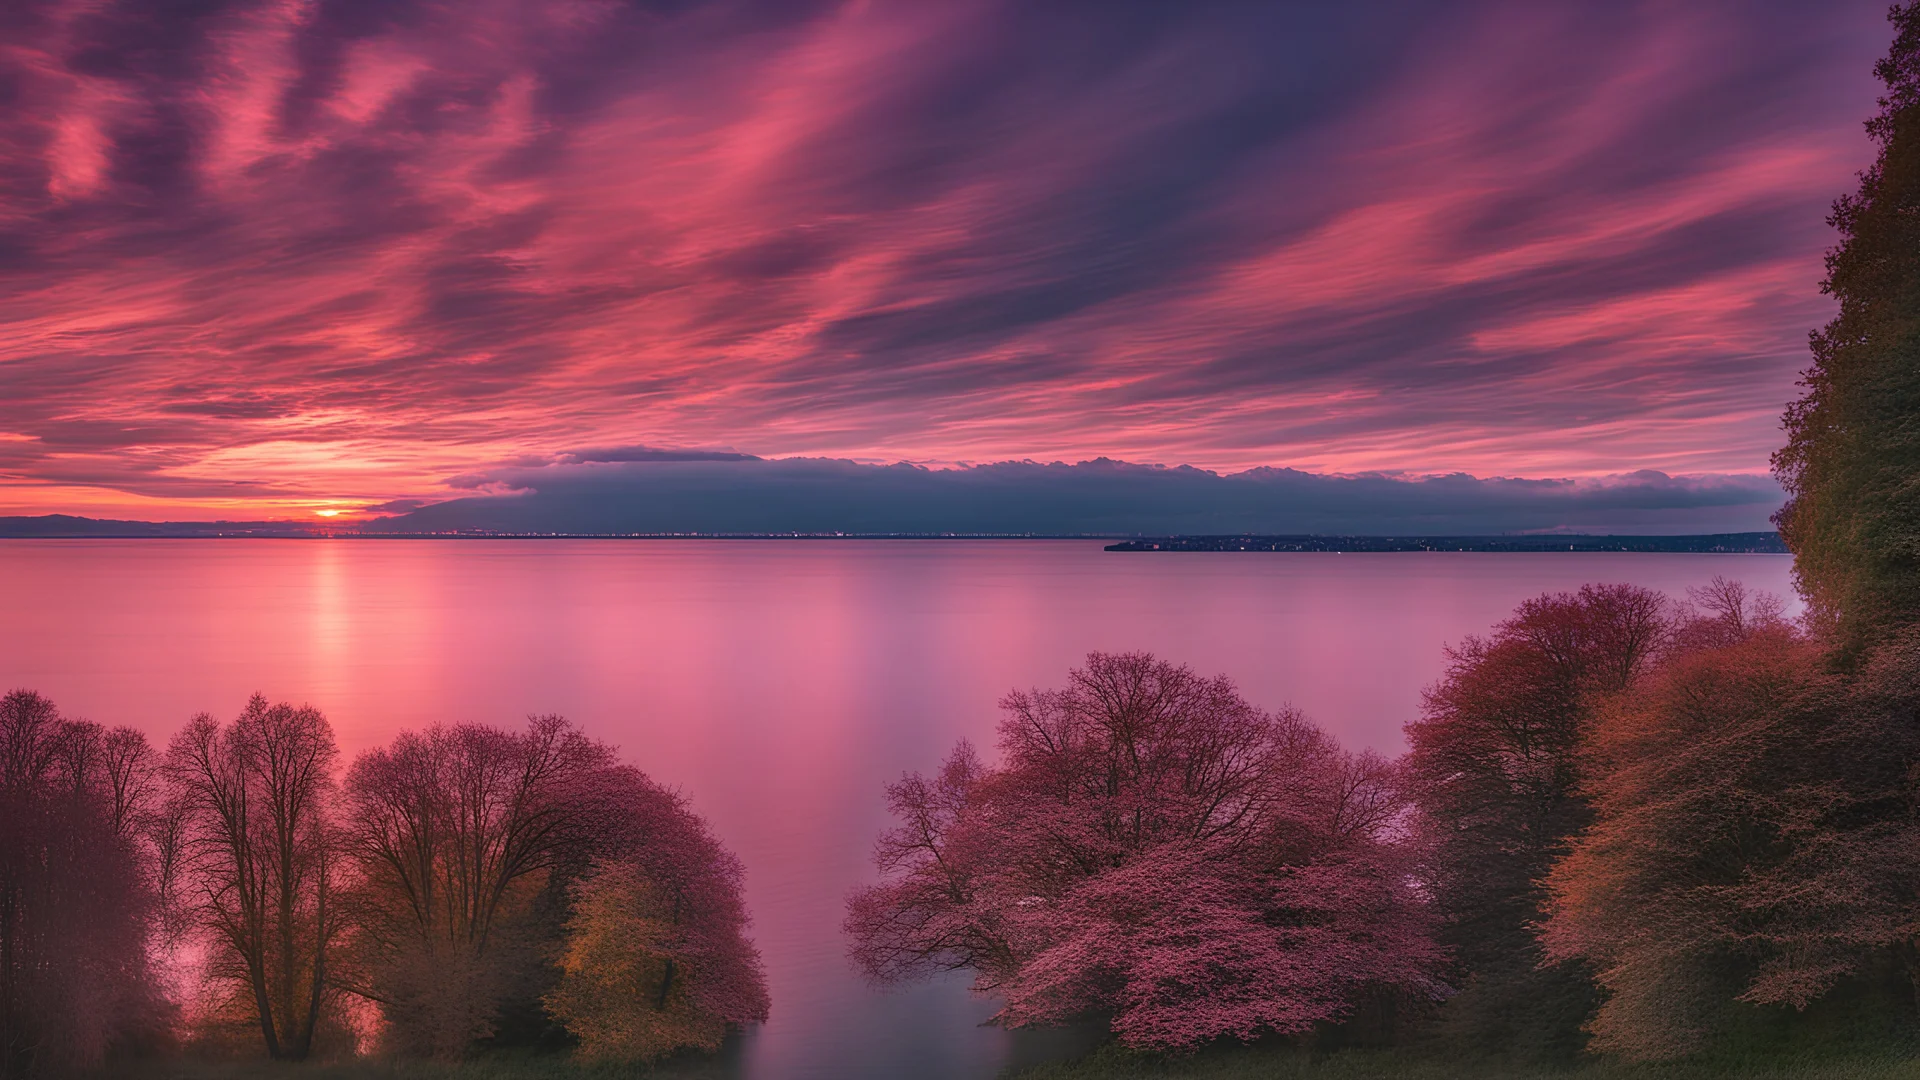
(286, 256)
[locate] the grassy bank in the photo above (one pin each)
(1287, 1064)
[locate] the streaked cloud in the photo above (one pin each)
(267, 257)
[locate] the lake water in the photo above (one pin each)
(780, 684)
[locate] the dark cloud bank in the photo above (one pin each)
(657, 492)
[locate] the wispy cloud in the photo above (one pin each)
(268, 254)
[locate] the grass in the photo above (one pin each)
(498, 1066)
(1271, 1063)
(1109, 1063)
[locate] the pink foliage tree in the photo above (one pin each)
(1157, 849)
(701, 885)
(658, 957)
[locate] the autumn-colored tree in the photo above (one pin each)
(1154, 848)
(657, 957)
(623, 992)
(1852, 515)
(1754, 828)
(259, 848)
(457, 833)
(74, 898)
(1693, 784)
(1755, 801)
(1494, 768)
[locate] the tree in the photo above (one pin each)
(1493, 764)
(1690, 783)
(255, 796)
(657, 957)
(1720, 613)
(457, 833)
(1852, 516)
(1753, 836)
(1154, 848)
(74, 977)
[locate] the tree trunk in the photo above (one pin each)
(319, 968)
(666, 985)
(257, 974)
(285, 913)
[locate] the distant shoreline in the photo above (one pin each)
(1753, 543)
(64, 527)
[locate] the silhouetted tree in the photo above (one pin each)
(256, 802)
(73, 897)
(1494, 767)
(1154, 848)
(1852, 516)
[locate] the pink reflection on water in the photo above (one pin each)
(780, 684)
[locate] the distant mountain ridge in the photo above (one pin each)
(69, 527)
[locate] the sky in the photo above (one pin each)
(276, 259)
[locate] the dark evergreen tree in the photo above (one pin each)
(1851, 465)
(1494, 766)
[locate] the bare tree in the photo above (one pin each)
(256, 842)
(457, 832)
(127, 775)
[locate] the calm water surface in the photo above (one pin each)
(780, 684)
